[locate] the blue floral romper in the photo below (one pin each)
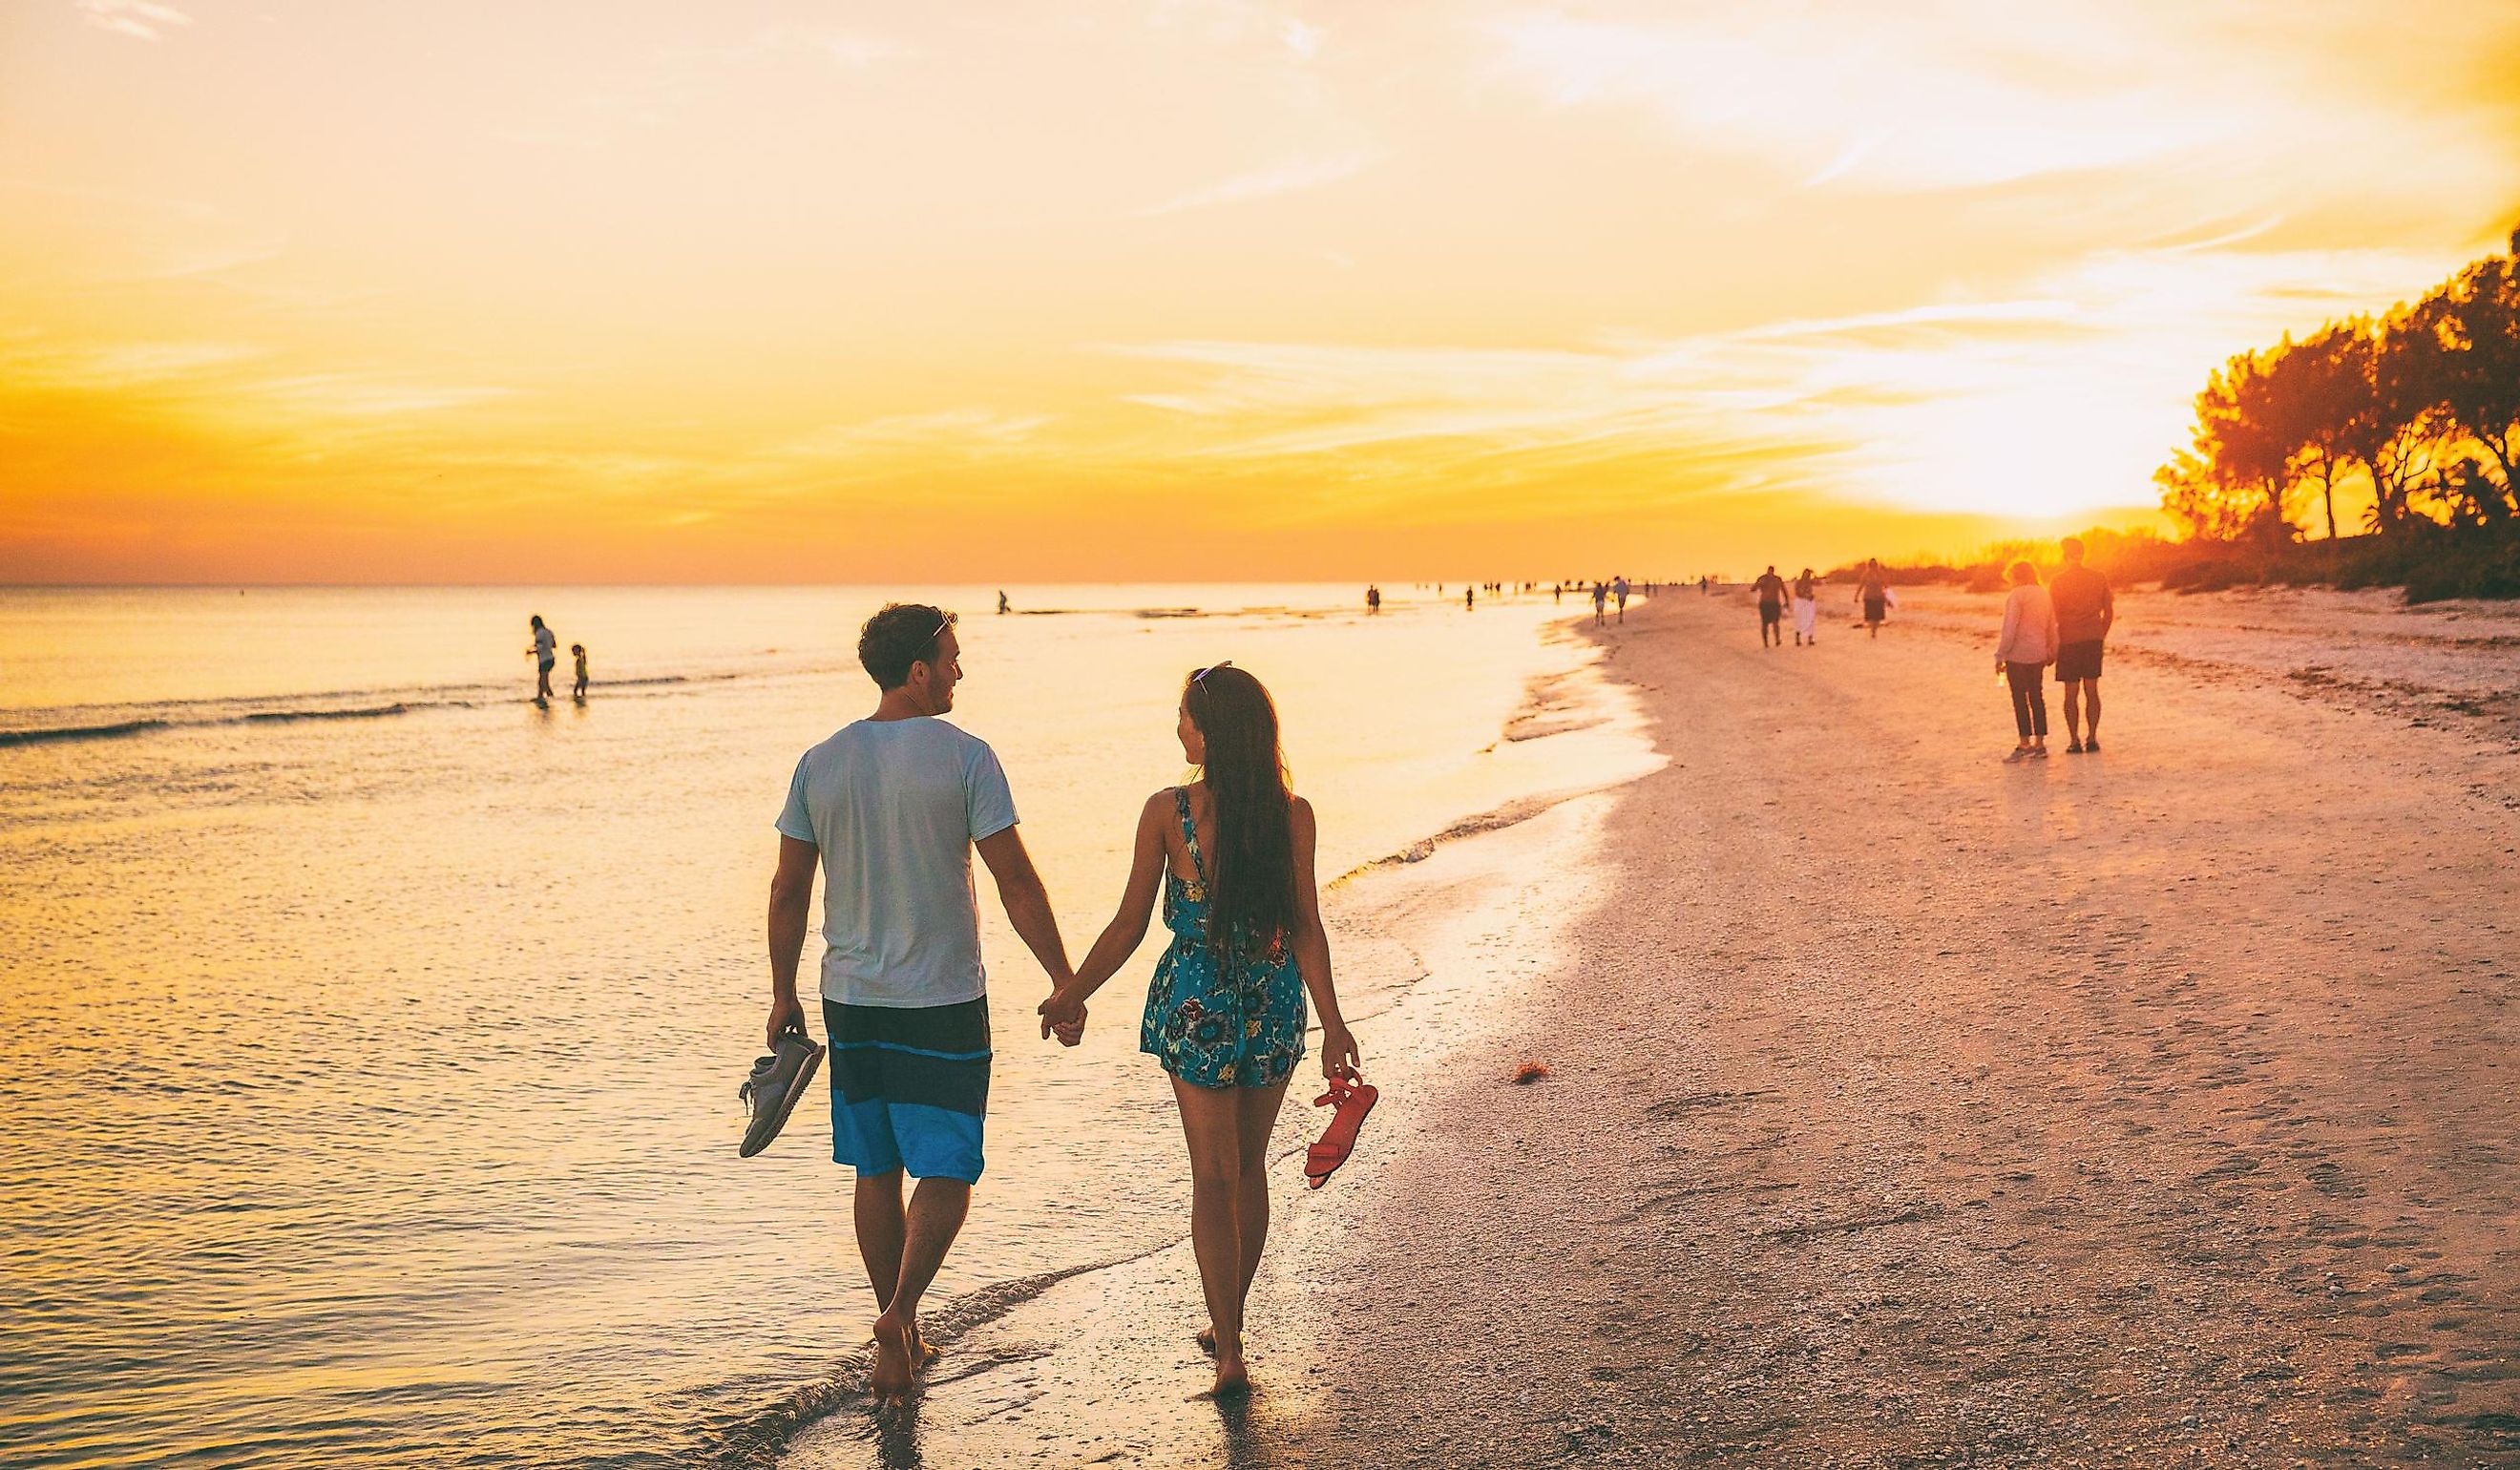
(1238, 1023)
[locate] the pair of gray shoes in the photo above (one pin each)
(777, 1081)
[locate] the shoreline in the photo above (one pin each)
(1907, 1110)
(1104, 1350)
(1904, 1109)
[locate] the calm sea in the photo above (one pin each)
(372, 1035)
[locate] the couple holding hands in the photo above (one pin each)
(890, 809)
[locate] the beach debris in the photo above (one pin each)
(1529, 1072)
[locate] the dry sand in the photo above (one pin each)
(2153, 1108)
(2148, 1108)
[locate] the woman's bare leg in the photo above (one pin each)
(1257, 1117)
(1211, 1124)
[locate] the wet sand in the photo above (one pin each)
(2153, 1108)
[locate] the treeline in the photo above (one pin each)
(2411, 418)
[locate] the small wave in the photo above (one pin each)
(756, 1439)
(288, 716)
(79, 733)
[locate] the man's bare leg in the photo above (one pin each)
(934, 1217)
(2074, 710)
(2090, 710)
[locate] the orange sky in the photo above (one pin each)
(1175, 288)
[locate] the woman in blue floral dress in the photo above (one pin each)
(1233, 853)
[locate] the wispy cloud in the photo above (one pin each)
(1973, 94)
(969, 429)
(1285, 178)
(2055, 401)
(140, 20)
(124, 365)
(353, 395)
(1880, 98)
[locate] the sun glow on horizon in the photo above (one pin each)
(1171, 288)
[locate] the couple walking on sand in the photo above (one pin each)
(890, 809)
(2065, 623)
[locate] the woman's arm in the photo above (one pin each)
(1312, 950)
(1128, 927)
(2011, 625)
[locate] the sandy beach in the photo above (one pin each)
(1905, 1109)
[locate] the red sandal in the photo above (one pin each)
(1354, 1098)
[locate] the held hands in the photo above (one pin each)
(1339, 1056)
(1062, 1015)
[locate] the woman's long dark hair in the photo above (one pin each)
(1251, 874)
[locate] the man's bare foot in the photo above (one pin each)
(893, 1359)
(1207, 1341)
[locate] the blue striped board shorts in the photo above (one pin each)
(909, 1086)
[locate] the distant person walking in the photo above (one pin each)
(1003, 604)
(1470, 600)
(1372, 600)
(546, 652)
(1806, 610)
(1619, 588)
(2022, 653)
(891, 807)
(1771, 589)
(1872, 592)
(578, 652)
(2086, 611)
(1601, 602)
(1232, 855)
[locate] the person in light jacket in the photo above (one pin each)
(2022, 653)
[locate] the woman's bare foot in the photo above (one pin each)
(896, 1355)
(1232, 1378)
(1207, 1341)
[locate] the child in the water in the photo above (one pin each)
(579, 649)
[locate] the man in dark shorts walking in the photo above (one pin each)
(890, 809)
(1771, 608)
(1872, 590)
(2086, 609)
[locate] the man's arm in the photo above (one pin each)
(1027, 902)
(791, 897)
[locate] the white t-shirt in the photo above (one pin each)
(895, 805)
(543, 642)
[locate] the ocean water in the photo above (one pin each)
(372, 1035)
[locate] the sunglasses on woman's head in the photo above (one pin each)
(1200, 676)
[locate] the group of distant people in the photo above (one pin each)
(545, 651)
(2065, 624)
(1873, 594)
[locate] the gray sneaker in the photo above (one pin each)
(777, 1081)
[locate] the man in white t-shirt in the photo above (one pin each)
(890, 808)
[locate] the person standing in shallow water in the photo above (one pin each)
(1232, 854)
(890, 809)
(2086, 611)
(546, 652)
(2022, 652)
(578, 690)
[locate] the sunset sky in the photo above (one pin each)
(1173, 289)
